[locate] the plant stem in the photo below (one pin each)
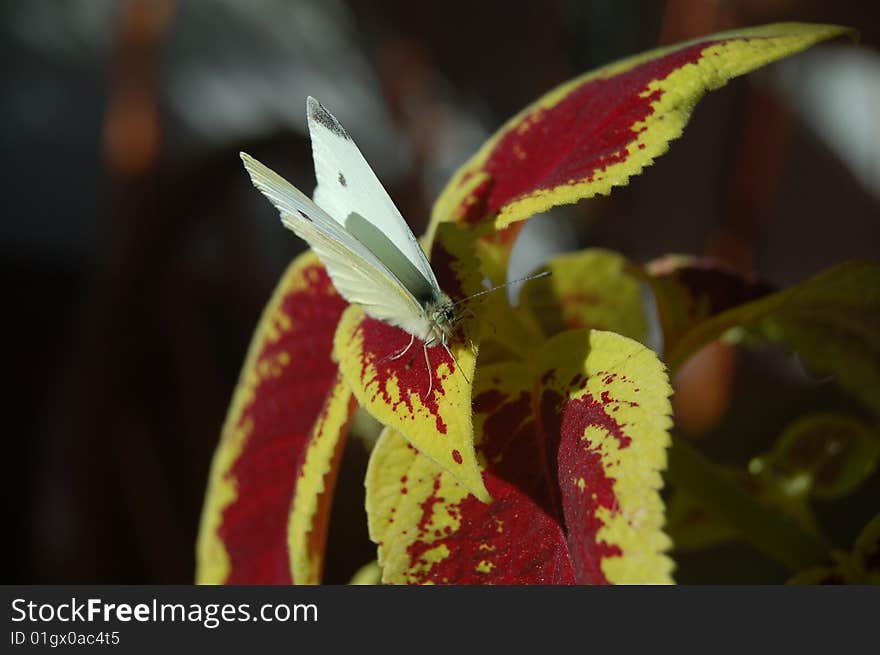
(773, 534)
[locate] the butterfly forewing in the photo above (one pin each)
(351, 193)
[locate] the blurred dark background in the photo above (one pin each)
(138, 257)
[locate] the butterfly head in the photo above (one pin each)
(443, 317)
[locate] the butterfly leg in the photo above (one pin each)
(412, 339)
(428, 369)
(455, 361)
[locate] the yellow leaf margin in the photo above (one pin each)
(743, 51)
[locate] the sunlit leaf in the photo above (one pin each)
(430, 530)
(596, 131)
(398, 392)
(267, 505)
(368, 574)
(424, 394)
(567, 437)
(614, 434)
(592, 288)
(571, 446)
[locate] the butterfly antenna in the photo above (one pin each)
(455, 361)
(401, 353)
(502, 286)
(470, 341)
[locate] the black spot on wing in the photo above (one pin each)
(341, 179)
(322, 117)
(304, 215)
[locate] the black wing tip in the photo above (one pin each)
(319, 114)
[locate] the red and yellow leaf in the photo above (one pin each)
(571, 446)
(424, 394)
(314, 485)
(613, 400)
(429, 530)
(368, 574)
(588, 289)
(592, 288)
(596, 131)
(433, 415)
(272, 478)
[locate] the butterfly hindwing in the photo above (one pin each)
(357, 274)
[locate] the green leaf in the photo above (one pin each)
(832, 321)
(691, 526)
(771, 532)
(696, 521)
(588, 289)
(861, 566)
(867, 551)
(824, 455)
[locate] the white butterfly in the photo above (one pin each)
(368, 250)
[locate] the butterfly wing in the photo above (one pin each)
(358, 275)
(350, 192)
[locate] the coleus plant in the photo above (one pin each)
(544, 461)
